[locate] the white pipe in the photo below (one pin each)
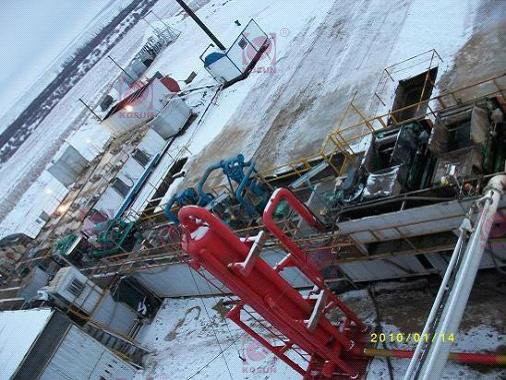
(459, 294)
(464, 229)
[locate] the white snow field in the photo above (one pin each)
(326, 54)
(188, 335)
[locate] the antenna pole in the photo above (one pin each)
(201, 24)
(90, 109)
(121, 68)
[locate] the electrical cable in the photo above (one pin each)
(226, 324)
(211, 322)
(258, 321)
(216, 357)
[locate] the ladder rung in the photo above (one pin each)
(246, 266)
(317, 310)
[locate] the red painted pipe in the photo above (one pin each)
(296, 253)
(215, 246)
(460, 357)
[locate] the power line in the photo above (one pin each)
(216, 357)
(226, 324)
(211, 322)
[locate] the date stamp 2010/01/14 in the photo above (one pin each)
(410, 337)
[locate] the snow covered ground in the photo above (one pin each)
(325, 57)
(184, 343)
(337, 54)
(179, 60)
(188, 335)
(20, 175)
(327, 53)
(331, 53)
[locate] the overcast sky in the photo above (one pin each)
(33, 34)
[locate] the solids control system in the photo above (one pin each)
(337, 349)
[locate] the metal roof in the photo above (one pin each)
(18, 331)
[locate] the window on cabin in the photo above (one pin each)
(121, 187)
(141, 157)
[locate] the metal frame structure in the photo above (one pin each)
(213, 245)
(337, 158)
(343, 140)
(337, 150)
(289, 235)
(336, 350)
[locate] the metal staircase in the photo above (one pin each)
(122, 346)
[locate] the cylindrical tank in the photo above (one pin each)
(170, 83)
(171, 118)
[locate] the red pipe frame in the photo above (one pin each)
(297, 256)
(211, 243)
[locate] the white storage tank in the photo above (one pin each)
(221, 67)
(68, 164)
(136, 108)
(171, 118)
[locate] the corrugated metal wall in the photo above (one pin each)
(176, 281)
(43, 348)
(81, 357)
(396, 267)
(292, 275)
(402, 266)
(115, 316)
